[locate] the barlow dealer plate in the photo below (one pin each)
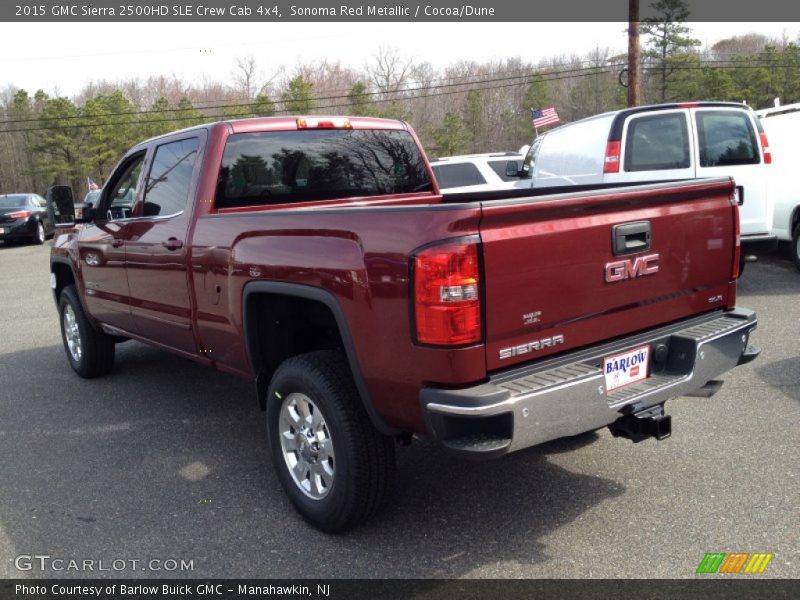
(626, 368)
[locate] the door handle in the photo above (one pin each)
(116, 242)
(172, 244)
(631, 237)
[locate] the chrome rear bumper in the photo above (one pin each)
(566, 395)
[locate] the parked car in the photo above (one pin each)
(664, 142)
(782, 126)
(479, 172)
(23, 217)
(317, 258)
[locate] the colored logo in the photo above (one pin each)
(735, 562)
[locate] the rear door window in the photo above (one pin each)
(726, 138)
(657, 143)
(281, 167)
(458, 175)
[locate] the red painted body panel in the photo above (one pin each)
(544, 255)
(359, 256)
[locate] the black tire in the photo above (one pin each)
(364, 467)
(96, 356)
(40, 234)
(796, 247)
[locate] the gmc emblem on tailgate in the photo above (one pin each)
(631, 267)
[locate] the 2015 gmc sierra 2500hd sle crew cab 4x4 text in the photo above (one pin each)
(316, 256)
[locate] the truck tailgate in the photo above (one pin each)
(555, 281)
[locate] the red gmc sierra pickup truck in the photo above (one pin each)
(316, 257)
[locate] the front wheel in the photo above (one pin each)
(90, 352)
(796, 247)
(332, 462)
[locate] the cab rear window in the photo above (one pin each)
(726, 138)
(281, 167)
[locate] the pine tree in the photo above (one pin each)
(299, 96)
(668, 40)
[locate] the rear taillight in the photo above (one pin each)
(447, 295)
(765, 148)
(737, 231)
(611, 162)
(20, 214)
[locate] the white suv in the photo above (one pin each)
(479, 172)
(663, 142)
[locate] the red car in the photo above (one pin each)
(316, 257)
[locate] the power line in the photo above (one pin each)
(287, 112)
(314, 98)
(730, 63)
(541, 67)
(571, 74)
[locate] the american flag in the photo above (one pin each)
(544, 116)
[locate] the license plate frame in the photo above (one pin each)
(626, 368)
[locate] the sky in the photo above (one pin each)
(62, 58)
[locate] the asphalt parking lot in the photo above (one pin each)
(165, 459)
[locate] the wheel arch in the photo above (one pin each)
(794, 220)
(254, 344)
(64, 275)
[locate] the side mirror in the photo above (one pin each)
(512, 169)
(61, 206)
(151, 209)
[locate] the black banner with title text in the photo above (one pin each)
(715, 588)
(397, 11)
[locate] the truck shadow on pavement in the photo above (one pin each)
(167, 459)
(782, 374)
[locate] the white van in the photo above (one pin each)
(782, 126)
(662, 142)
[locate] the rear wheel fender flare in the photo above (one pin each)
(308, 292)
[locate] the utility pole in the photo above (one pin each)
(634, 53)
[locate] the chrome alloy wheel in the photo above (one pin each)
(306, 445)
(40, 235)
(72, 333)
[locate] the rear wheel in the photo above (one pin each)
(796, 246)
(334, 465)
(90, 352)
